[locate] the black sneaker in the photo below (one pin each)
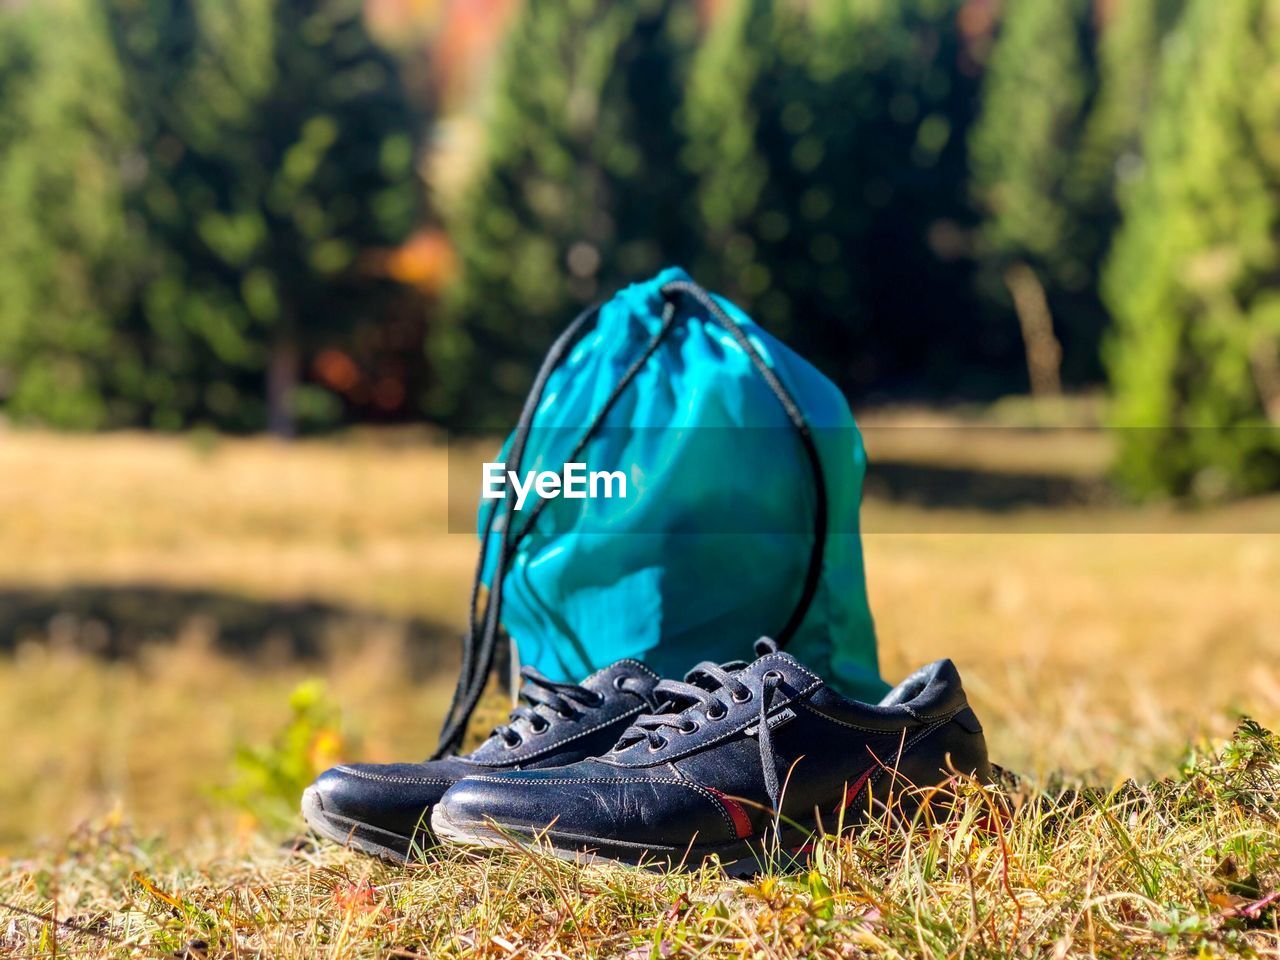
(384, 809)
(704, 774)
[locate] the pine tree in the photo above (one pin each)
(1128, 63)
(1192, 282)
(68, 254)
(580, 190)
(830, 142)
(751, 118)
(187, 190)
(1040, 237)
(278, 145)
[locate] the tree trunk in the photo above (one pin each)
(1265, 361)
(1044, 352)
(282, 379)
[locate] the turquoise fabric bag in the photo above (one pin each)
(744, 472)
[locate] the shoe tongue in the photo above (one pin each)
(766, 645)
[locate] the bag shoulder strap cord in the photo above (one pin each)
(480, 641)
(668, 321)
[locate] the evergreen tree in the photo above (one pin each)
(279, 146)
(187, 192)
(580, 190)
(1192, 282)
(1128, 64)
(830, 142)
(67, 251)
(757, 137)
(1041, 237)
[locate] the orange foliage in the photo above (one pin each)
(470, 33)
(336, 370)
(424, 261)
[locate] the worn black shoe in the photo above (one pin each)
(704, 774)
(384, 808)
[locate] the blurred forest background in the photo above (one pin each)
(295, 215)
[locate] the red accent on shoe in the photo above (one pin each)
(851, 792)
(737, 813)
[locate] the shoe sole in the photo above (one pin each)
(374, 841)
(739, 858)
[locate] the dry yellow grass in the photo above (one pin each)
(1085, 651)
(360, 523)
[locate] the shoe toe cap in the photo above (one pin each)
(475, 801)
(504, 799)
(393, 797)
(580, 804)
(337, 791)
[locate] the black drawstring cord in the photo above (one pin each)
(668, 321)
(477, 659)
(476, 665)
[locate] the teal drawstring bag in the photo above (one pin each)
(742, 469)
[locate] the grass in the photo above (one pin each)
(1093, 656)
(1188, 866)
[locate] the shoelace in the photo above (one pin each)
(567, 701)
(703, 689)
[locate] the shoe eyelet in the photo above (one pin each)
(513, 744)
(772, 675)
(563, 715)
(620, 683)
(540, 730)
(746, 699)
(654, 748)
(693, 726)
(718, 715)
